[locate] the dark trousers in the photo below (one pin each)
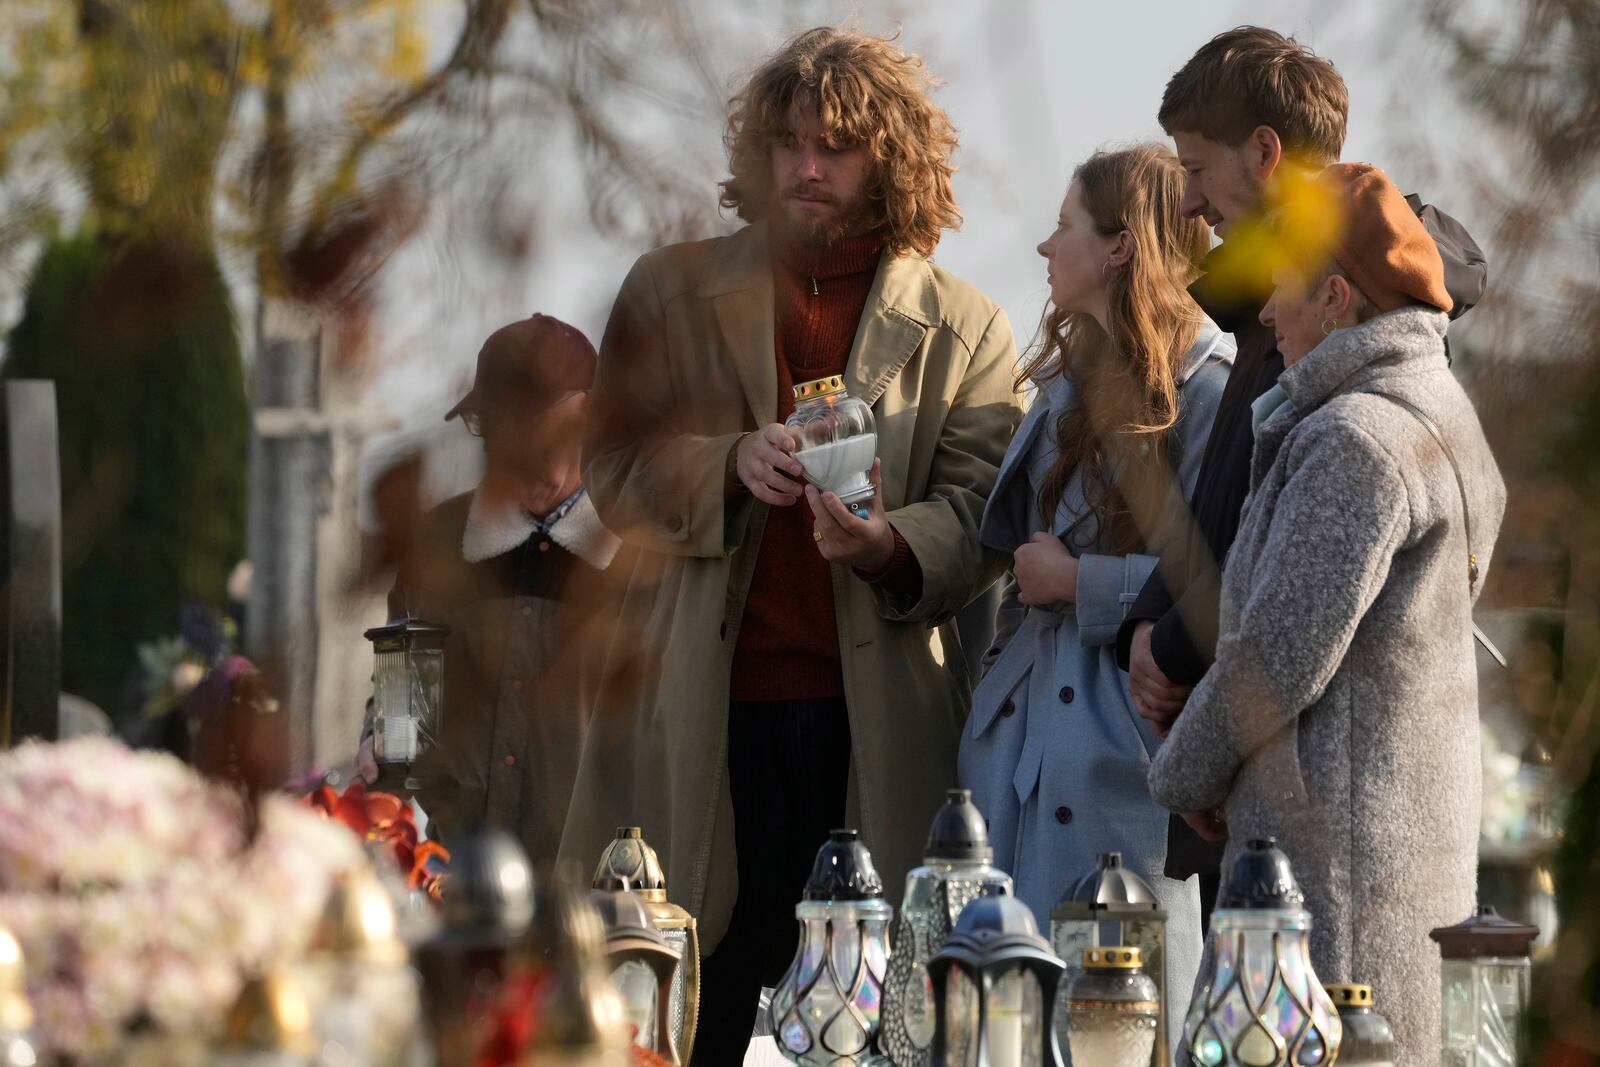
(788, 770)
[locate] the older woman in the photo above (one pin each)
(1341, 716)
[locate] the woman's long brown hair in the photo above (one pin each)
(1119, 435)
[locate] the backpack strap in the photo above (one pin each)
(1466, 509)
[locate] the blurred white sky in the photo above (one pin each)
(1033, 86)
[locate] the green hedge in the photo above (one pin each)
(142, 344)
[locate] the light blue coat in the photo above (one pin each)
(1053, 751)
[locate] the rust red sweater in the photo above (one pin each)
(789, 640)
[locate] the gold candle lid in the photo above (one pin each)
(269, 1015)
(15, 1011)
(819, 387)
(1122, 957)
(1349, 994)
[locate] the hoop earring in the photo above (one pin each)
(1105, 270)
(1328, 326)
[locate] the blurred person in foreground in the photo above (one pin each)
(808, 674)
(1341, 714)
(1096, 481)
(516, 569)
(1253, 115)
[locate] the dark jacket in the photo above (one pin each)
(519, 605)
(1182, 596)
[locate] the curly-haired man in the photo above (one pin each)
(802, 669)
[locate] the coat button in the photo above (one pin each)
(510, 760)
(1063, 815)
(1007, 710)
(674, 523)
(526, 611)
(1067, 694)
(544, 546)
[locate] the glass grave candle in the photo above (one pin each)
(836, 440)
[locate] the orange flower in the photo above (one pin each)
(385, 818)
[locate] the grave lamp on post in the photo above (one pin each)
(408, 695)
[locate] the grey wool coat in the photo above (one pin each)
(1341, 716)
(1053, 751)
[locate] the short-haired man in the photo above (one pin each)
(1250, 112)
(803, 666)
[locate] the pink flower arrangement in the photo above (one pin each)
(139, 906)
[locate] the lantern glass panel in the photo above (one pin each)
(637, 983)
(409, 687)
(1483, 1001)
(1015, 1019)
(960, 1018)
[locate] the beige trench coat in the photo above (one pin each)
(687, 365)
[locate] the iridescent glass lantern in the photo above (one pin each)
(1108, 907)
(642, 965)
(993, 986)
(1485, 971)
(629, 863)
(16, 1014)
(1257, 1001)
(1112, 1008)
(957, 868)
(408, 695)
(836, 440)
(827, 1007)
(1368, 1040)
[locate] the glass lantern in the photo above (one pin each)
(629, 863)
(356, 974)
(827, 1007)
(1112, 1008)
(642, 966)
(958, 868)
(16, 1014)
(1368, 1040)
(1108, 907)
(1485, 971)
(574, 1016)
(408, 695)
(1257, 1001)
(993, 984)
(836, 440)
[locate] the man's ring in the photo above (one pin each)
(816, 535)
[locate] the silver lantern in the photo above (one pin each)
(957, 869)
(1108, 907)
(827, 1007)
(993, 986)
(408, 694)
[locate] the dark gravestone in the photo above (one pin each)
(30, 555)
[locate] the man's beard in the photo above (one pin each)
(846, 220)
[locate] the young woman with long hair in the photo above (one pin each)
(1128, 375)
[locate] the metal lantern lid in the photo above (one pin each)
(996, 930)
(15, 1011)
(271, 1014)
(1349, 994)
(1261, 878)
(628, 924)
(630, 865)
(844, 870)
(487, 898)
(1483, 936)
(1109, 888)
(958, 831)
(399, 634)
(358, 922)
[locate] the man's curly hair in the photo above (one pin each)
(867, 91)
